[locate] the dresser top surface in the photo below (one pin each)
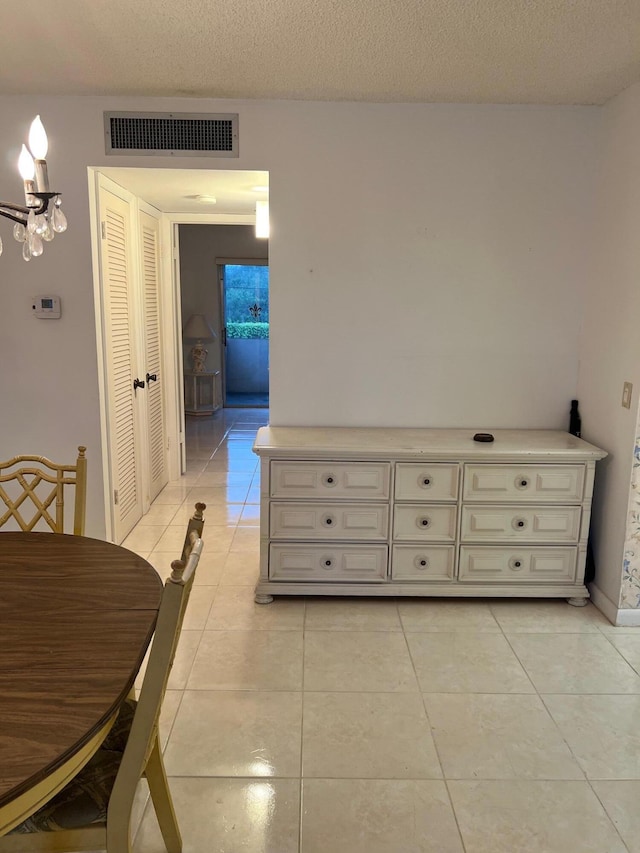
(454, 444)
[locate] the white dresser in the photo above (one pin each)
(423, 512)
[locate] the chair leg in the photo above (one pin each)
(161, 798)
(118, 832)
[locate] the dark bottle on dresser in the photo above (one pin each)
(575, 421)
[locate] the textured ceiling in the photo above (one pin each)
(474, 51)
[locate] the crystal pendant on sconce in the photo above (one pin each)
(31, 222)
(47, 234)
(41, 223)
(26, 251)
(58, 219)
(19, 232)
(0, 245)
(35, 245)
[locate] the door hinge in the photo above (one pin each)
(115, 497)
(103, 230)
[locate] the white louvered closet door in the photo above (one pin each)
(156, 443)
(119, 306)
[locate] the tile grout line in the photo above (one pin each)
(430, 727)
(606, 811)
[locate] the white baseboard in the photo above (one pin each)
(623, 618)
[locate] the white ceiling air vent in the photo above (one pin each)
(172, 134)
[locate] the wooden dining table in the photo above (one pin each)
(76, 618)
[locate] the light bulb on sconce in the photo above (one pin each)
(26, 166)
(39, 145)
(27, 169)
(38, 142)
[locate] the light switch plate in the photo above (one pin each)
(627, 390)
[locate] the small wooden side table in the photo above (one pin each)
(202, 392)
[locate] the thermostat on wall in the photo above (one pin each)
(46, 307)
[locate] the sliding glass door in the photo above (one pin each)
(244, 286)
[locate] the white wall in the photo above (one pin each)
(434, 263)
(610, 344)
(427, 265)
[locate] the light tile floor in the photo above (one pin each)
(370, 726)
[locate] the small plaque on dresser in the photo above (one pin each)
(485, 437)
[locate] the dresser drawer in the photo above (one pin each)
(307, 562)
(424, 522)
(519, 565)
(524, 483)
(423, 563)
(426, 482)
(330, 480)
(328, 521)
(524, 523)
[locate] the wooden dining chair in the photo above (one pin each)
(29, 486)
(93, 812)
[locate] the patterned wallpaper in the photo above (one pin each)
(630, 591)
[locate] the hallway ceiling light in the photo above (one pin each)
(41, 216)
(262, 219)
(207, 199)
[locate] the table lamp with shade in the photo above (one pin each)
(198, 329)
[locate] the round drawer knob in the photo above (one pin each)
(329, 480)
(520, 523)
(424, 522)
(421, 562)
(328, 521)
(426, 481)
(328, 563)
(524, 483)
(516, 564)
